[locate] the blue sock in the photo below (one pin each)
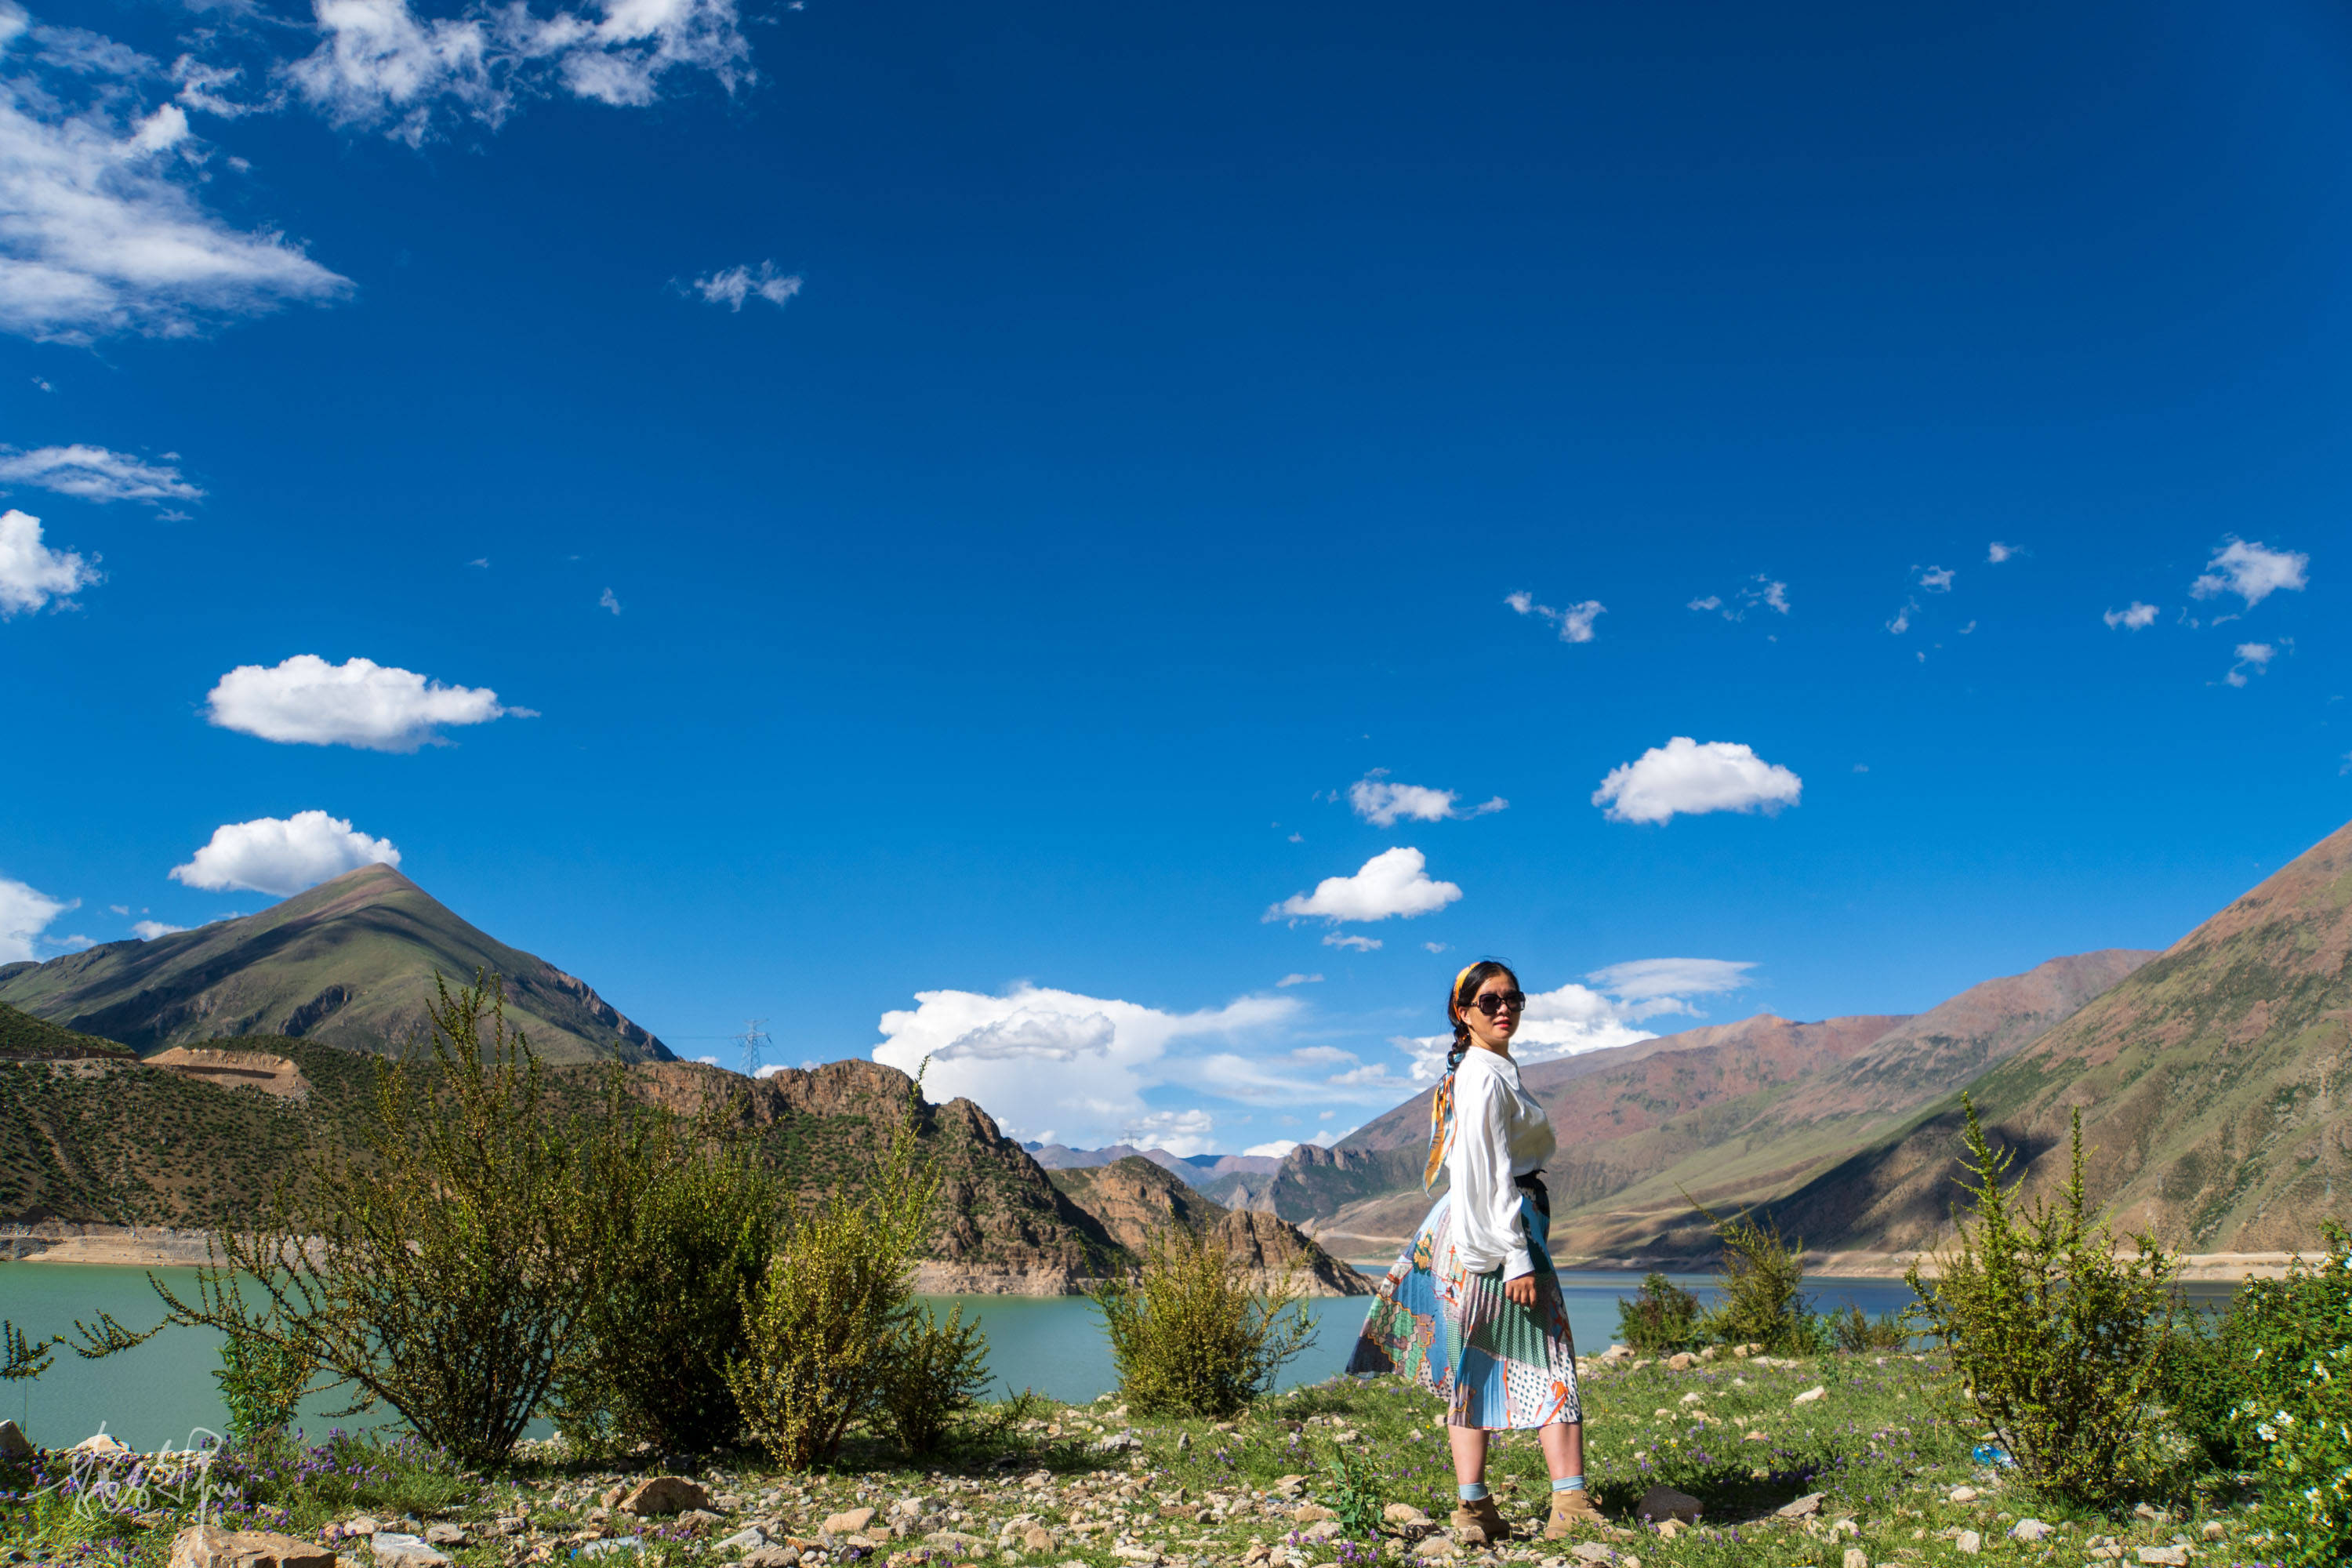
(1568, 1484)
(1474, 1492)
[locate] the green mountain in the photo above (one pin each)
(348, 964)
(2211, 1084)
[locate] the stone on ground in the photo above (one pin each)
(209, 1546)
(664, 1495)
(1818, 1391)
(446, 1535)
(1312, 1513)
(14, 1444)
(1037, 1537)
(398, 1549)
(850, 1521)
(771, 1557)
(1665, 1503)
(1436, 1549)
(1803, 1508)
(2165, 1557)
(1856, 1557)
(1967, 1542)
(2031, 1530)
(747, 1539)
(1965, 1494)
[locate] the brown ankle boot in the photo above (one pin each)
(1479, 1523)
(1569, 1510)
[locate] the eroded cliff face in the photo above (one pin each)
(1002, 1227)
(1135, 1199)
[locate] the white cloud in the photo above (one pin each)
(148, 931)
(2253, 658)
(1353, 944)
(1578, 1018)
(737, 284)
(1179, 1133)
(1436, 946)
(1325, 1056)
(2252, 572)
(1902, 621)
(24, 913)
(1935, 579)
(1275, 1150)
(2133, 619)
(282, 855)
(1036, 1058)
(1383, 804)
(606, 601)
(1575, 623)
(376, 707)
(95, 474)
(1997, 552)
(1392, 882)
(31, 574)
(1647, 986)
(98, 232)
(1759, 591)
(380, 65)
(1297, 979)
(1688, 777)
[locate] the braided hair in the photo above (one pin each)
(1441, 1105)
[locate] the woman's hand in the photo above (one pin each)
(1521, 1290)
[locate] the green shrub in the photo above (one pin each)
(933, 1379)
(262, 1381)
(829, 1328)
(1192, 1333)
(682, 1249)
(2056, 1343)
(447, 1270)
(1659, 1319)
(1355, 1495)
(2268, 1389)
(1855, 1332)
(1762, 1276)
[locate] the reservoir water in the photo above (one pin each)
(164, 1390)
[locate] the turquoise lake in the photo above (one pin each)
(163, 1390)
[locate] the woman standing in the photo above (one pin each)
(1472, 1310)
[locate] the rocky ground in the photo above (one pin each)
(1836, 1463)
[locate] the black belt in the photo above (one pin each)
(1538, 1194)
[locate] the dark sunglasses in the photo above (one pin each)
(1495, 1002)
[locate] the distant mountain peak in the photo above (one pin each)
(349, 963)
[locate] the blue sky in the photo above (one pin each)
(914, 522)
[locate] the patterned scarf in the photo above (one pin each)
(1441, 1104)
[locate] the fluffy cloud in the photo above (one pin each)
(359, 702)
(737, 284)
(24, 913)
(148, 931)
(31, 574)
(1383, 804)
(2136, 618)
(2253, 658)
(1038, 1058)
(606, 601)
(1683, 776)
(95, 474)
(2252, 572)
(1578, 1018)
(1177, 1131)
(1392, 882)
(1297, 979)
(1996, 553)
(1935, 579)
(1575, 623)
(98, 232)
(1902, 621)
(381, 66)
(282, 855)
(1353, 944)
(1647, 986)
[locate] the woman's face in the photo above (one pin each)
(1494, 1031)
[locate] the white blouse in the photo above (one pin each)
(1499, 1132)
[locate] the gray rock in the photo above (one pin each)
(750, 1539)
(1967, 1542)
(2031, 1529)
(2164, 1556)
(397, 1549)
(209, 1546)
(1322, 1530)
(772, 1557)
(665, 1494)
(446, 1535)
(1665, 1503)
(611, 1544)
(1804, 1507)
(14, 1444)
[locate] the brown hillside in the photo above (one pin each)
(2209, 1081)
(1136, 1198)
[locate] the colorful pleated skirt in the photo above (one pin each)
(1497, 1364)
